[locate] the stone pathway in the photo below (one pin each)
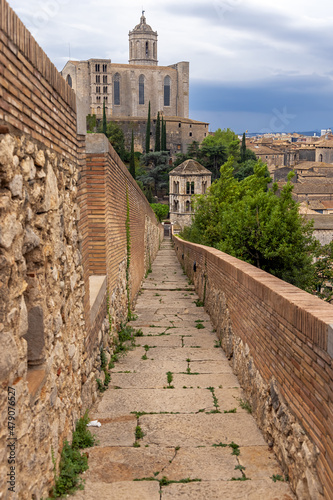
(195, 432)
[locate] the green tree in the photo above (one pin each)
(161, 210)
(158, 133)
(132, 159)
(91, 123)
(193, 150)
(157, 173)
(116, 137)
(148, 128)
(163, 136)
(104, 119)
(256, 224)
(243, 148)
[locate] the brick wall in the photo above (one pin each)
(280, 341)
(108, 181)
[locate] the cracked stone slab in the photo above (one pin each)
(138, 380)
(126, 490)
(160, 341)
(228, 490)
(125, 401)
(211, 464)
(115, 464)
(211, 367)
(200, 429)
(117, 432)
(150, 366)
(202, 381)
(260, 462)
(184, 353)
(229, 398)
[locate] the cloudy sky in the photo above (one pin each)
(254, 65)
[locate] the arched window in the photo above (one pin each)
(141, 89)
(154, 50)
(175, 206)
(116, 89)
(69, 80)
(320, 158)
(167, 86)
(137, 52)
(188, 206)
(147, 49)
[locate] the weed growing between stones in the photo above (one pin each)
(243, 477)
(198, 303)
(199, 324)
(234, 410)
(234, 446)
(170, 379)
(72, 463)
(278, 477)
(216, 404)
(245, 405)
(102, 386)
(217, 343)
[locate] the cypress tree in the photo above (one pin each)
(163, 140)
(148, 131)
(132, 159)
(104, 119)
(243, 148)
(158, 133)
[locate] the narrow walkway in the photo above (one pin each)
(194, 424)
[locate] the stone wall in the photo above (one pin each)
(279, 340)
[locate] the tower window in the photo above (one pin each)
(98, 90)
(98, 98)
(188, 206)
(105, 90)
(98, 79)
(105, 99)
(116, 89)
(69, 80)
(147, 49)
(141, 89)
(105, 68)
(167, 86)
(105, 79)
(97, 68)
(190, 134)
(190, 188)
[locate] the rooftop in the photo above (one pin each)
(190, 167)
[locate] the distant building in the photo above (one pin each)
(186, 180)
(127, 89)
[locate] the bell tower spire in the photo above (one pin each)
(143, 44)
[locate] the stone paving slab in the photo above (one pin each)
(225, 490)
(150, 366)
(138, 380)
(114, 464)
(115, 432)
(182, 354)
(125, 490)
(201, 429)
(226, 380)
(211, 464)
(125, 401)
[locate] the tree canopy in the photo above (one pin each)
(256, 224)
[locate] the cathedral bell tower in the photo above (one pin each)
(143, 44)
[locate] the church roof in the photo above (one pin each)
(190, 167)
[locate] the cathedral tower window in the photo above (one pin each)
(147, 49)
(154, 50)
(105, 90)
(98, 90)
(167, 92)
(105, 68)
(105, 79)
(188, 206)
(98, 79)
(141, 89)
(97, 68)
(190, 188)
(69, 80)
(116, 89)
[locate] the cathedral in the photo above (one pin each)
(127, 89)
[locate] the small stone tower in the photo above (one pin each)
(189, 178)
(143, 44)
